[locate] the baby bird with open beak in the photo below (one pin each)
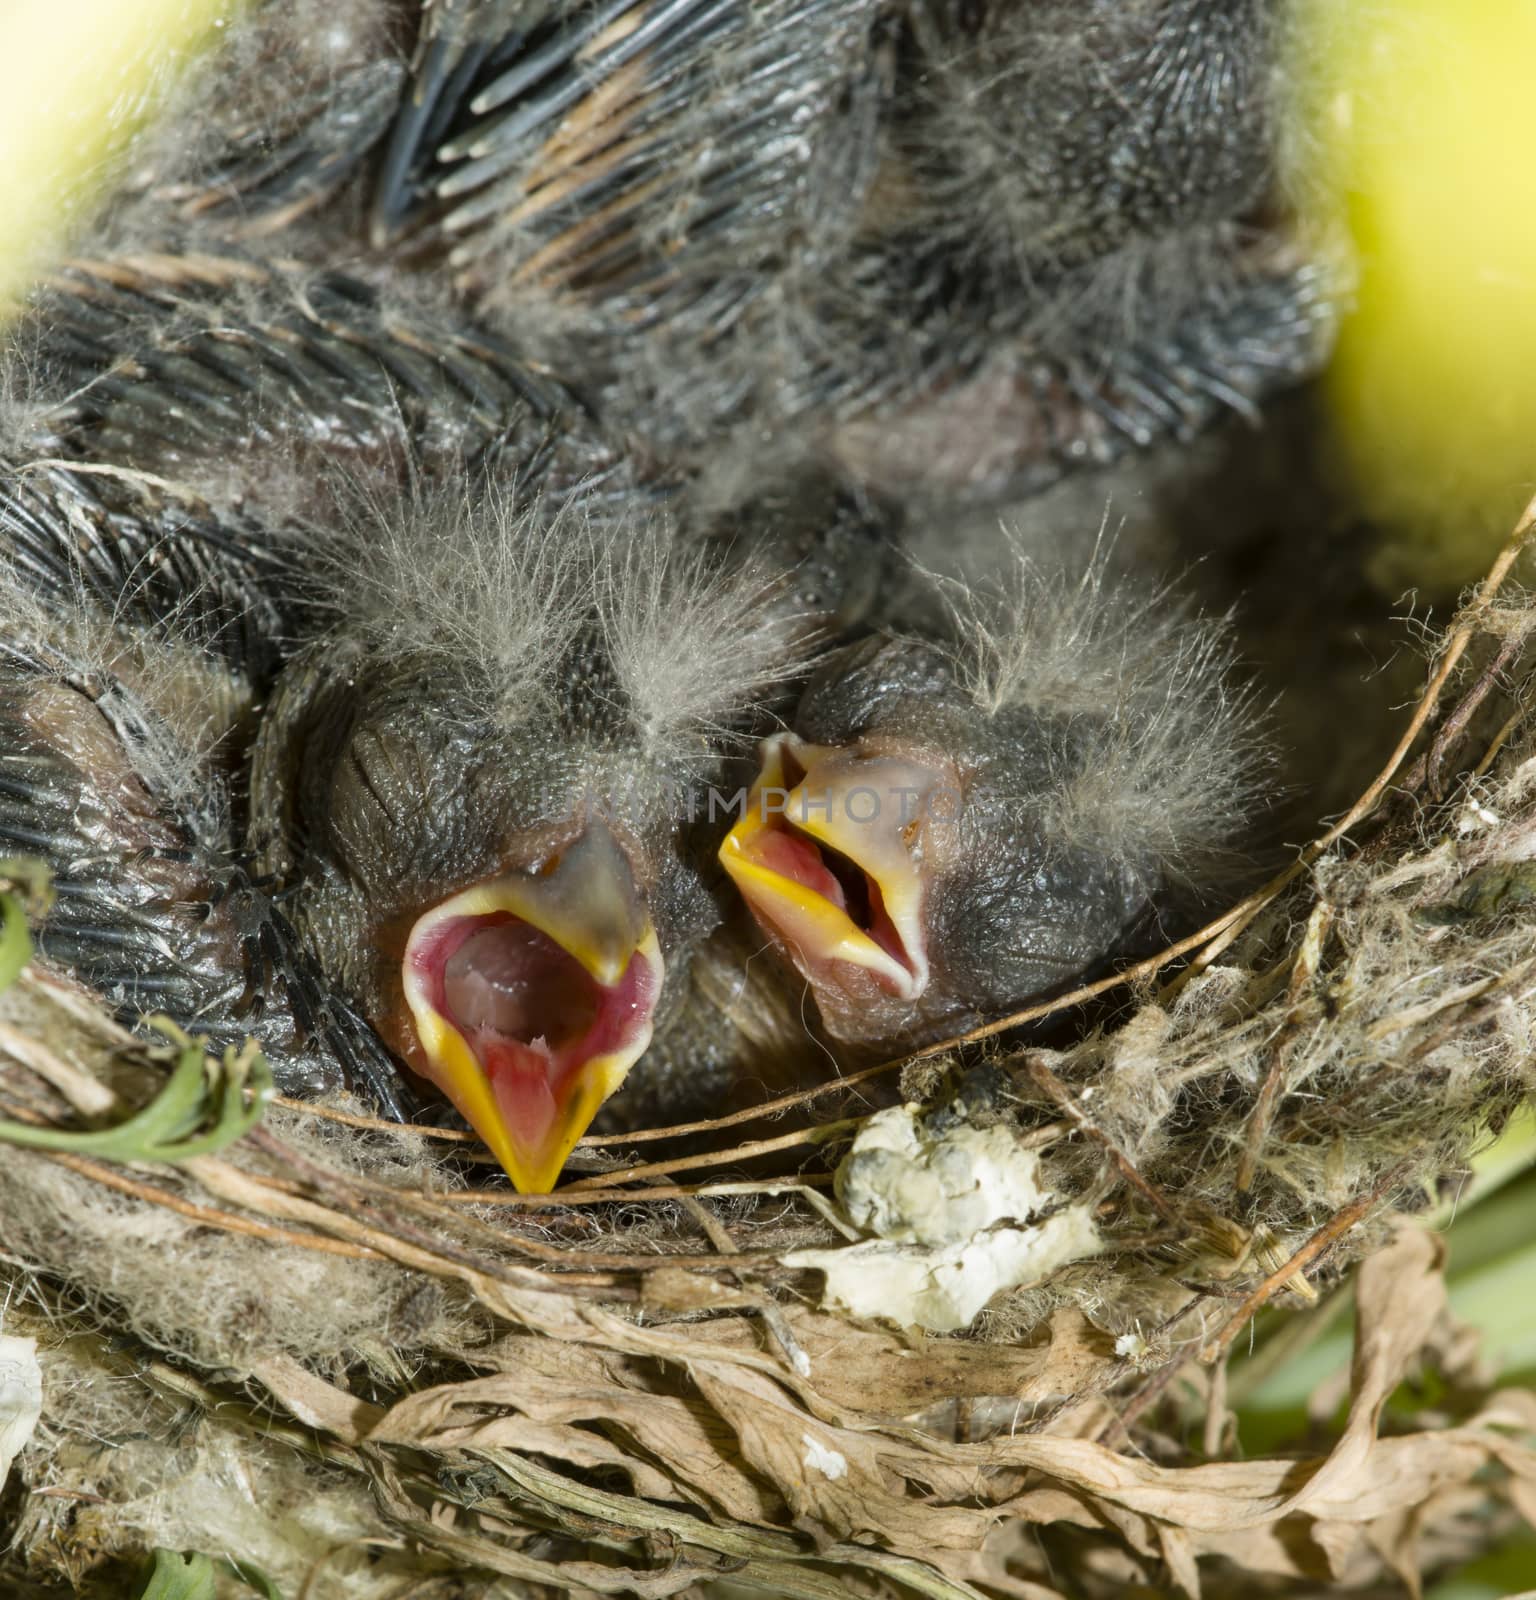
(206, 423)
(478, 788)
(956, 824)
(455, 832)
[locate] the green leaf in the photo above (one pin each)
(25, 886)
(15, 941)
(189, 1576)
(1499, 1575)
(204, 1106)
(253, 1578)
(180, 1577)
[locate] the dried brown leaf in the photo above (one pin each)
(586, 1407)
(1399, 1297)
(840, 1481)
(316, 1403)
(1179, 1553)
(867, 1372)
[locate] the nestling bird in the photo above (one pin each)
(478, 790)
(457, 832)
(956, 824)
(524, 660)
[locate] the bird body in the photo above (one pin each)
(946, 247)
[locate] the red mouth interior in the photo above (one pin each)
(781, 848)
(530, 1012)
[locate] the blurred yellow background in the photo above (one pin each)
(77, 78)
(1419, 137)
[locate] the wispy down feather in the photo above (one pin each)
(688, 643)
(1177, 773)
(1059, 642)
(1167, 745)
(465, 575)
(696, 647)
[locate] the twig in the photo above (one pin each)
(209, 1216)
(1216, 1412)
(1329, 1234)
(1064, 1098)
(352, 1119)
(1303, 973)
(1501, 738)
(658, 1191)
(1460, 637)
(1073, 998)
(769, 1108)
(1426, 770)
(1463, 1009)
(714, 1229)
(1119, 1427)
(710, 1158)
(1510, 986)
(349, 1195)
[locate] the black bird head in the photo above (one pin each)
(955, 825)
(205, 422)
(478, 787)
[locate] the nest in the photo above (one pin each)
(338, 1355)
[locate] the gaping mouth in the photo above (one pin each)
(532, 997)
(828, 855)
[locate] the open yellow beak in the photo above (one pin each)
(532, 996)
(828, 855)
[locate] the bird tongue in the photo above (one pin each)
(525, 1007)
(530, 997)
(522, 1082)
(802, 860)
